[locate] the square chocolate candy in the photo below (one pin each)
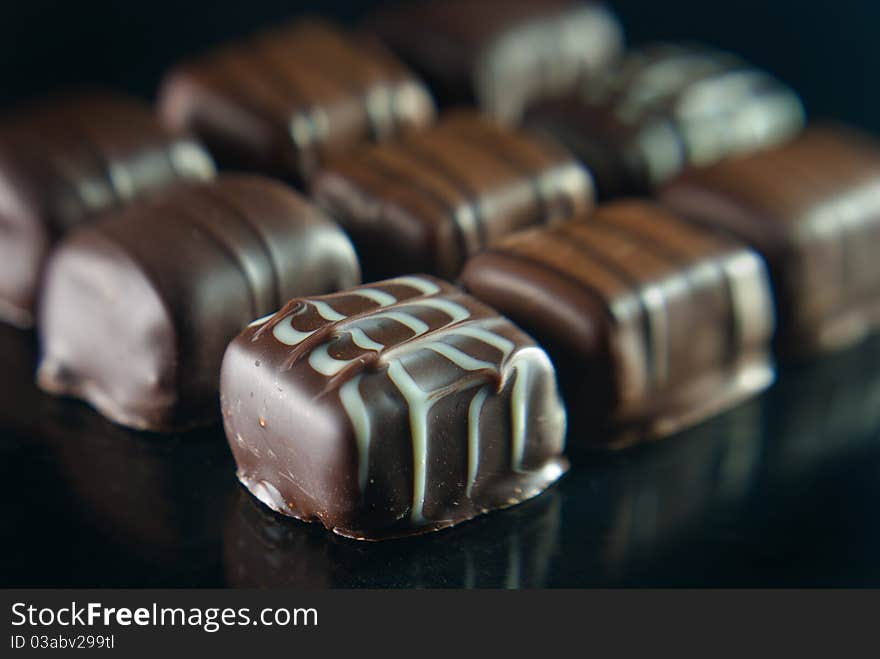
(502, 54)
(279, 102)
(654, 323)
(138, 308)
(397, 408)
(666, 107)
(812, 209)
(64, 161)
(428, 201)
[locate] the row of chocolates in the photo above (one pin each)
(407, 405)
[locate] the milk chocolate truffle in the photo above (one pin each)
(397, 408)
(281, 101)
(67, 159)
(139, 307)
(812, 209)
(427, 202)
(502, 54)
(667, 107)
(654, 323)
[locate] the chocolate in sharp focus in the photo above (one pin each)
(812, 209)
(64, 161)
(666, 107)
(502, 54)
(138, 308)
(281, 101)
(654, 323)
(397, 408)
(428, 201)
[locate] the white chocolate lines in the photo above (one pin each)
(382, 339)
(474, 411)
(350, 395)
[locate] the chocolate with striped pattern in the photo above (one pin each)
(65, 160)
(138, 308)
(427, 202)
(653, 323)
(501, 55)
(281, 101)
(666, 107)
(812, 209)
(391, 409)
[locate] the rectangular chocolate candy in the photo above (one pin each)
(812, 209)
(428, 201)
(138, 308)
(64, 161)
(280, 101)
(654, 323)
(501, 54)
(391, 409)
(666, 107)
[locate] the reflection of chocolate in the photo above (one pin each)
(392, 409)
(281, 101)
(66, 160)
(427, 202)
(812, 209)
(502, 54)
(653, 323)
(665, 108)
(824, 412)
(721, 504)
(671, 490)
(141, 490)
(91, 504)
(138, 308)
(510, 550)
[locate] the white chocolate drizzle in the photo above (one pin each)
(474, 411)
(423, 285)
(519, 403)
(350, 395)
(418, 400)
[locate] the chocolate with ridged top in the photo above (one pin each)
(64, 161)
(427, 202)
(812, 209)
(502, 54)
(281, 101)
(666, 107)
(391, 409)
(138, 308)
(654, 323)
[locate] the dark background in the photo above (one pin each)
(780, 491)
(827, 50)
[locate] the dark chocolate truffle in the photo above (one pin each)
(667, 107)
(392, 409)
(64, 161)
(654, 323)
(139, 307)
(812, 209)
(502, 54)
(281, 101)
(427, 202)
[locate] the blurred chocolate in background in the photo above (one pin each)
(825, 51)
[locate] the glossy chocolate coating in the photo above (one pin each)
(812, 209)
(281, 101)
(138, 308)
(667, 107)
(653, 323)
(427, 202)
(64, 161)
(392, 409)
(502, 54)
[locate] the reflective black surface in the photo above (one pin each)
(782, 491)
